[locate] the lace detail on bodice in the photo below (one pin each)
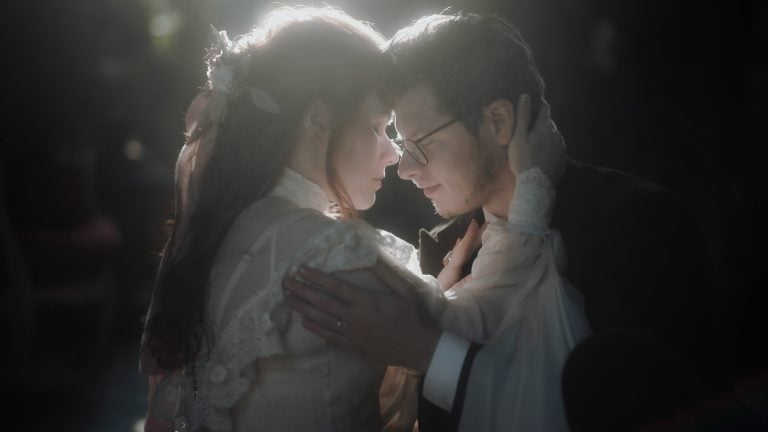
(255, 329)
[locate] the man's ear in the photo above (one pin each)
(317, 119)
(500, 118)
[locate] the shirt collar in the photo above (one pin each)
(490, 217)
(302, 192)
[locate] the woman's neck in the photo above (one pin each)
(308, 159)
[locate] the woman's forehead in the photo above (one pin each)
(373, 106)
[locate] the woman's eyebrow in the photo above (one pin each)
(388, 115)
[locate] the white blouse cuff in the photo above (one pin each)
(530, 209)
(444, 370)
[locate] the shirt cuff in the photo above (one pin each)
(444, 370)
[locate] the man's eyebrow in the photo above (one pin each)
(418, 132)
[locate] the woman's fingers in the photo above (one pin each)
(517, 158)
(543, 146)
(523, 114)
(468, 244)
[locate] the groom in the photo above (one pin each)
(634, 250)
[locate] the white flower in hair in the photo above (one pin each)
(222, 39)
(221, 79)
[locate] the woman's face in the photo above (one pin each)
(366, 153)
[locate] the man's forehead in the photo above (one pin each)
(415, 109)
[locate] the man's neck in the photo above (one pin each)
(498, 201)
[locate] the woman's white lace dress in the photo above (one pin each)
(264, 371)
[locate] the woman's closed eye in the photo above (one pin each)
(381, 128)
(378, 130)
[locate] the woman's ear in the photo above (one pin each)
(317, 120)
(500, 118)
(309, 154)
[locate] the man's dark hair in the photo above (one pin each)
(467, 60)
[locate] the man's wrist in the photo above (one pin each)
(443, 374)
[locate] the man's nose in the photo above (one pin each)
(408, 168)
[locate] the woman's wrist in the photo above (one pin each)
(533, 200)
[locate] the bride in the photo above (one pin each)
(284, 144)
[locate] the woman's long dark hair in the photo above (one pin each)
(297, 57)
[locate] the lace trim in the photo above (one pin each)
(530, 209)
(255, 330)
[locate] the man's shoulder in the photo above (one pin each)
(592, 186)
(593, 195)
(606, 181)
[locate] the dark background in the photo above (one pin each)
(94, 94)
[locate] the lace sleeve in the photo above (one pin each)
(531, 206)
(515, 255)
(362, 245)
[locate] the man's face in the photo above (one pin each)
(462, 168)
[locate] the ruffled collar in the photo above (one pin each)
(302, 192)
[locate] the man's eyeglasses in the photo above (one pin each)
(416, 152)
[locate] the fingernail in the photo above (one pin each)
(525, 99)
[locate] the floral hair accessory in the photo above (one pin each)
(222, 75)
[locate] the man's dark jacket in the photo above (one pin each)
(637, 255)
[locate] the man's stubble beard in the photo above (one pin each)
(486, 170)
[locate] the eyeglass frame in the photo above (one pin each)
(417, 156)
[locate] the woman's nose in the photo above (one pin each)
(391, 152)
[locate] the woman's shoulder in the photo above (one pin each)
(333, 245)
(270, 212)
(315, 238)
